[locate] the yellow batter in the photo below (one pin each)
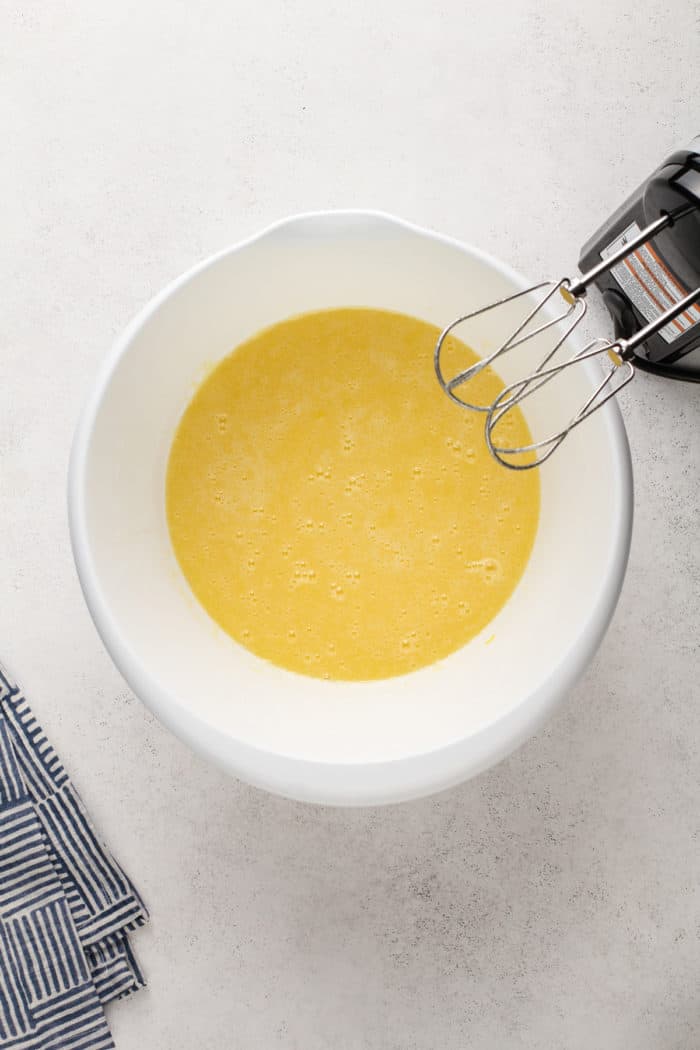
(331, 508)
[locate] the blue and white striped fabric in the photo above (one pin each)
(66, 907)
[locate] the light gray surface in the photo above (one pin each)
(551, 903)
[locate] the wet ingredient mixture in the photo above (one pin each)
(333, 511)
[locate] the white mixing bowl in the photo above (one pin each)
(335, 742)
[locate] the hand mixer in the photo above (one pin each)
(651, 290)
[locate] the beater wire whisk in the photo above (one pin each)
(546, 315)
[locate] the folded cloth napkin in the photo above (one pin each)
(66, 907)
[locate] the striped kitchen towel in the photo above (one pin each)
(66, 907)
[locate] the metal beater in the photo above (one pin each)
(539, 318)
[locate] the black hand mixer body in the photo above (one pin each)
(659, 273)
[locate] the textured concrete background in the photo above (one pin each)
(551, 903)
